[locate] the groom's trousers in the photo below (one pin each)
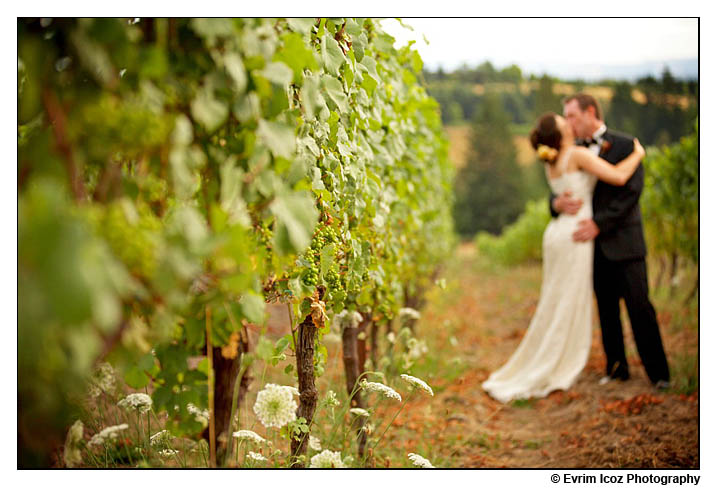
(613, 280)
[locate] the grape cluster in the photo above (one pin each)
(333, 279)
(311, 275)
(264, 233)
(324, 236)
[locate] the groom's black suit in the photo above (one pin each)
(619, 268)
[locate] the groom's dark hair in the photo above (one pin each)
(584, 101)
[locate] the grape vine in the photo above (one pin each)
(171, 170)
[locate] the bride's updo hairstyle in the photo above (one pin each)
(546, 137)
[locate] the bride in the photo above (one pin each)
(556, 345)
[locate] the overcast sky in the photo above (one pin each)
(549, 45)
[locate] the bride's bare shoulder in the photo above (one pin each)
(574, 156)
(578, 151)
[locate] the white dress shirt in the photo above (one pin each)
(595, 147)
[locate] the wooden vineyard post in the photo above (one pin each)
(210, 391)
(353, 353)
(307, 332)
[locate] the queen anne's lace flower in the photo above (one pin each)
(136, 401)
(103, 379)
(414, 381)
(160, 438)
(419, 461)
(380, 388)
(201, 416)
(408, 313)
(249, 436)
(327, 459)
(416, 348)
(331, 399)
(314, 443)
(347, 319)
(106, 434)
(275, 406)
(359, 412)
(168, 452)
(255, 456)
(72, 453)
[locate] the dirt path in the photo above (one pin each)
(623, 424)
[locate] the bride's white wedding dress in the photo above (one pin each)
(556, 345)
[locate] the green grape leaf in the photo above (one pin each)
(332, 55)
(302, 25)
(211, 28)
(317, 183)
(359, 44)
(203, 366)
(278, 137)
(278, 72)
(296, 55)
(311, 97)
(136, 378)
(296, 215)
(209, 111)
(235, 67)
(352, 27)
(264, 349)
(252, 306)
(334, 89)
(327, 258)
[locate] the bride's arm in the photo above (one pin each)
(617, 174)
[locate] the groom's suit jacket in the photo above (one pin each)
(615, 208)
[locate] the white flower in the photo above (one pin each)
(314, 443)
(419, 461)
(293, 390)
(248, 435)
(275, 406)
(73, 454)
(347, 319)
(168, 452)
(380, 388)
(408, 313)
(136, 401)
(359, 412)
(331, 399)
(414, 381)
(391, 337)
(255, 456)
(201, 416)
(103, 379)
(106, 434)
(160, 438)
(326, 459)
(417, 348)
(368, 428)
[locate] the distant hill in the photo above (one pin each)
(680, 68)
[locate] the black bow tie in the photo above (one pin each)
(586, 142)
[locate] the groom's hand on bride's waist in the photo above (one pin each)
(587, 231)
(565, 203)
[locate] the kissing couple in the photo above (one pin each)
(593, 242)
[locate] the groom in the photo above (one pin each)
(619, 266)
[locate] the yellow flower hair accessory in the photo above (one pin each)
(547, 153)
